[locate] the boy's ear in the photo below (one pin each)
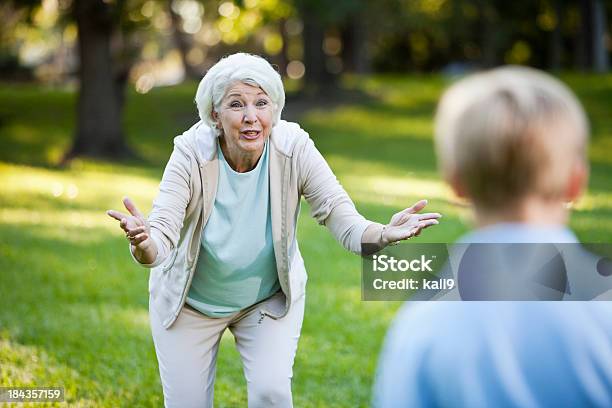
(578, 180)
(457, 186)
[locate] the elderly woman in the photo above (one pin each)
(221, 237)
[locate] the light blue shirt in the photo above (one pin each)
(499, 354)
(236, 267)
(514, 232)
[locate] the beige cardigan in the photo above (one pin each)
(185, 201)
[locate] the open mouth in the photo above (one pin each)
(250, 134)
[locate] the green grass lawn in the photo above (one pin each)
(73, 306)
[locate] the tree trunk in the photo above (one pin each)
(489, 34)
(316, 78)
(584, 40)
(348, 46)
(600, 52)
(556, 38)
(99, 130)
(456, 27)
(282, 57)
(355, 56)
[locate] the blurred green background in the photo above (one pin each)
(363, 79)
(73, 306)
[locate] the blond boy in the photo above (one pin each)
(512, 141)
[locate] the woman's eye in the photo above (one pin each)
(235, 104)
(262, 102)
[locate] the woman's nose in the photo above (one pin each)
(250, 114)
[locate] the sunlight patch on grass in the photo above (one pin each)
(137, 318)
(400, 89)
(594, 201)
(372, 183)
(393, 190)
(62, 219)
(382, 124)
(73, 187)
(19, 363)
(29, 366)
(343, 167)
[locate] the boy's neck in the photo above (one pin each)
(534, 211)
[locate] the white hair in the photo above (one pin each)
(509, 132)
(247, 68)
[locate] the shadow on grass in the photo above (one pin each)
(37, 124)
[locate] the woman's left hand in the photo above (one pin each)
(408, 223)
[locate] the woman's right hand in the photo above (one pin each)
(137, 231)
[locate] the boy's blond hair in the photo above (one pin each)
(509, 133)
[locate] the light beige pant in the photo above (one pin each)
(187, 353)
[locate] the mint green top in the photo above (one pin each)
(236, 267)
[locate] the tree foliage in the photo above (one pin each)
(136, 41)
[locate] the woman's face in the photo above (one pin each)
(245, 115)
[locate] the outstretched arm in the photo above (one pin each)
(331, 206)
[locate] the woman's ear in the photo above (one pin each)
(216, 119)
